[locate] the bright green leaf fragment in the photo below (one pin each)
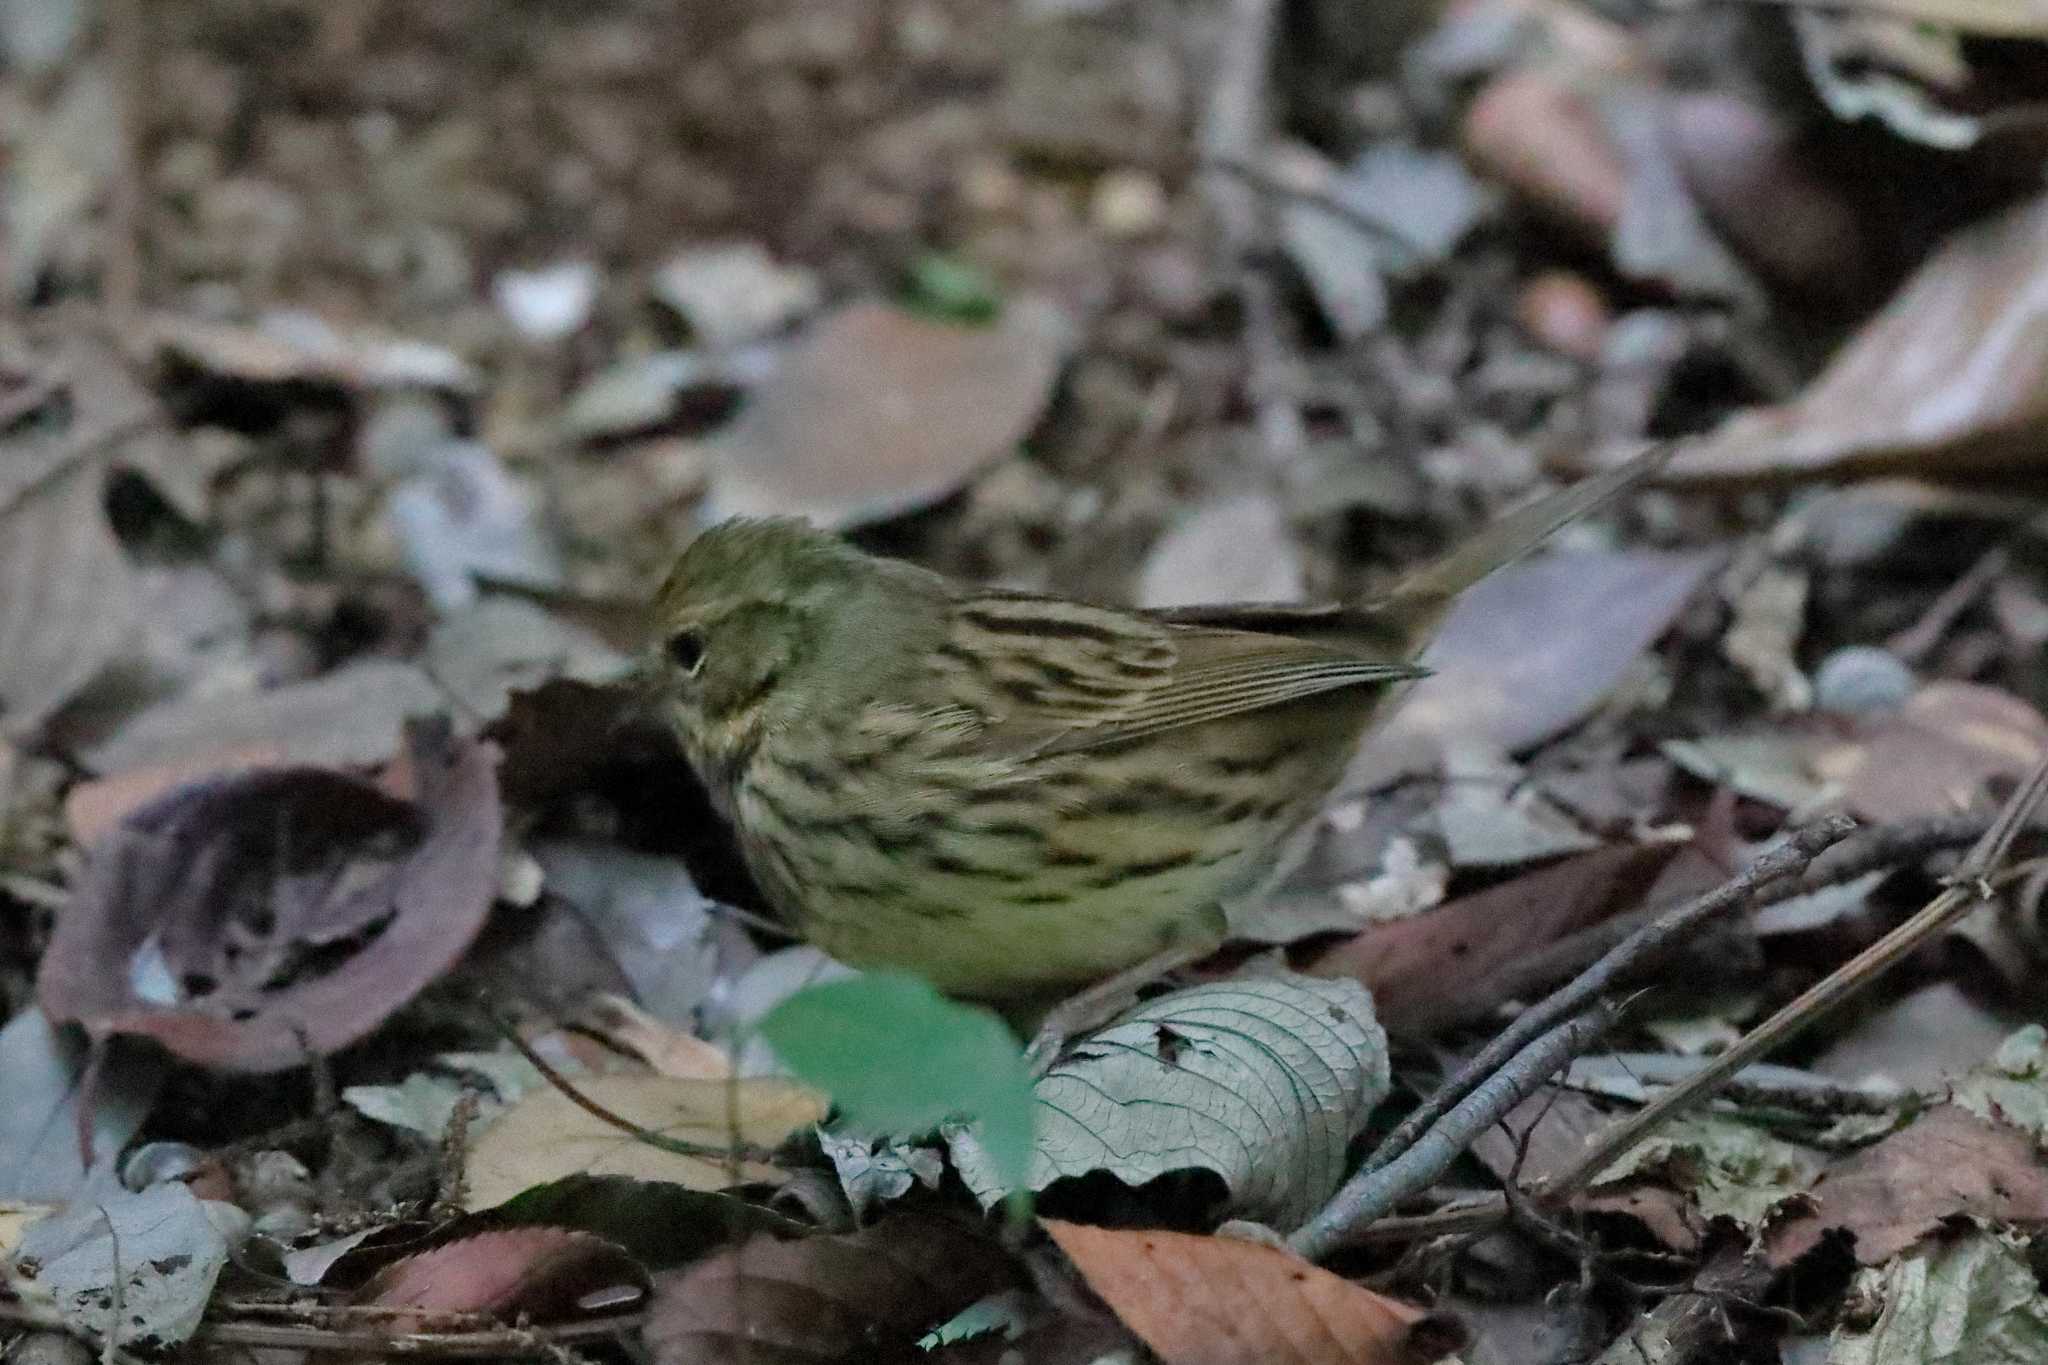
(1264, 1081)
(1971, 1302)
(1730, 1168)
(2013, 1086)
(899, 1057)
(947, 287)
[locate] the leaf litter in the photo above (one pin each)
(414, 359)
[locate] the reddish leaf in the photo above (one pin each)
(878, 412)
(542, 1274)
(1936, 755)
(1221, 1301)
(853, 1296)
(1416, 967)
(1948, 1163)
(248, 920)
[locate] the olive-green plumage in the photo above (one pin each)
(1010, 794)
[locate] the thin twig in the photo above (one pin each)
(1373, 1192)
(1641, 949)
(680, 1146)
(129, 51)
(1352, 216)
(1864, 851)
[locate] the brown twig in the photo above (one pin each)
(1374, 1191)
(1864, 851)
(680, 1146)
(525, 1343)
(129, 51)
(1643, 949)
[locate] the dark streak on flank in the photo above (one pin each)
(1257, 763)
(1123, 872)
(1160, 798)
(960, 867)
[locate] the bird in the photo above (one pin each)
(1013, 795)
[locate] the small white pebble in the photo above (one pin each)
(1861, 680)
(1128, 204)
(550, 303)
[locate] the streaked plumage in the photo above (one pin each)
(1014, 794)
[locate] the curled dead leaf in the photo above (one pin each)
(1951, 377)
(1947, 1163)
(248, 921)
(1222, 1301)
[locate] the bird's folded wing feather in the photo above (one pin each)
(1061, 677)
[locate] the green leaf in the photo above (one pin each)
(1971, 1302)
(943, 286)
(1730, 1168)
(2013, 1086)
(900, 1057)
(1264, 1081)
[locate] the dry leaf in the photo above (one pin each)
(1952, 376)
(547, 1136)
(1948, 1162)
(291, 346)
(1936, 755)
(1501, 685)
(536, 1274)
(1424, 971)
(348, 717)
(878, 412)
(672, 1052)
(1236, 549)
(246, 922)
(67, 595)
(866, 1295)
(1221, 1301)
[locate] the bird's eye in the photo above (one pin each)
(686, 651)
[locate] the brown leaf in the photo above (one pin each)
(547, 1136)
(1499, 683)
(1947, 1163)
(1221, 1301)
(878, 412)
(1952, 375)
(541, 1274)
(247, 921)
(67, 595)
(1938, 752)
(1415, 967)
(348, 717)
(851, 1296)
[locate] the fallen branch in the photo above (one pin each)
(1864, 851)
(1374, 1191)
(1970, 885)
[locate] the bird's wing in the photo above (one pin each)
(1054, 676)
